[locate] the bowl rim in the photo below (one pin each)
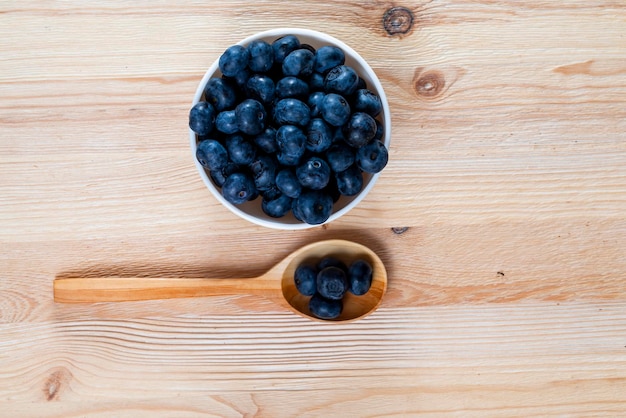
(277, 32)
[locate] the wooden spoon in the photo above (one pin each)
(276, 284)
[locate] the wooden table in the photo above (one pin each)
(501, 216)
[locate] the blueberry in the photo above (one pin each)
(261, 56)
(331, 261)
(332, 283)
(233, 60)
(359, 277)
(314, 173)
(360, 129)
(291, 141)
(266, 140)
(221, 94)
(211, 154)
(219, 176)
(328, 57)
(226, 122)
(314, 207)
(341, 80)
(373, 157)
(251, 117)
(202, 118)
(238, 188)
(324, 308)
(316, 81)
(292, 111)
(319, 136)
(367, 101)
(349, 181)
(284, 46)
(305, 278)
(263, 170)
(315, 103)
(261, 87)
(340, 156)
(278, 207)
(335, 109)
(288, 183)
(240, 150)
(299, 63)
(291, 87)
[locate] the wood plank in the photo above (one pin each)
(501, 217)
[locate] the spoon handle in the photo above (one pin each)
(119, 289)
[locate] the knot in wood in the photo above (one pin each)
(429, 84)
(398, 21)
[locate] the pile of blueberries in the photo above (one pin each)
(328, 281)
(291, 124)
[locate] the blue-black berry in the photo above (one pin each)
(360, 277)
(325, 308)
(305, 278)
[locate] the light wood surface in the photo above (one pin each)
(501, 217)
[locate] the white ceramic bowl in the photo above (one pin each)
(251, 211)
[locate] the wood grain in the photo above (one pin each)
(506, 183)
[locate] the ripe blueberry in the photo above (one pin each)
(240, 150)
(360, 129)
(221, 94)
(319, 136)
(288, 183)
(226, 122)
(292, 111)
(277, 207)
(291, 141)
(314, 174)
(332, 283)
(325, 308)
(373, 157)
(360, 277)
(342, 79)
(261, 87)
(251, 117)
(238, 188)
(261, 56)
(305, 278)
(299, 63)
(349, 181)
(233, 60)
(314, 207)
(328, 57)
(367, 101)
(202, 118)
(335, 109)
(291, 87)
(211, 154)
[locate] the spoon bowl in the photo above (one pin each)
(277, 284)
